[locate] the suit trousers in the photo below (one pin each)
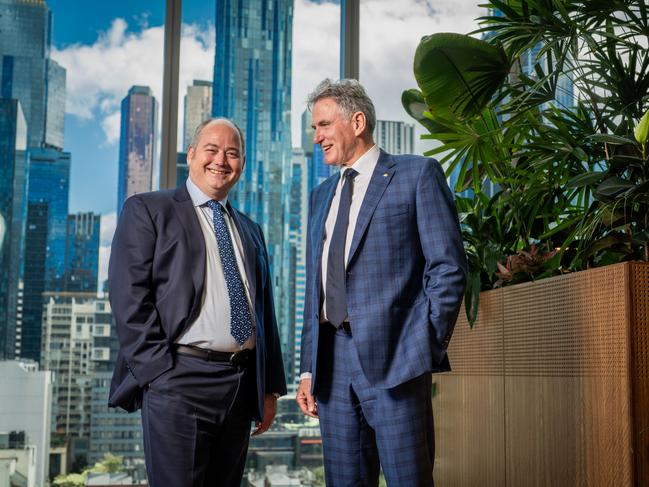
(196, 419)
(365, 428)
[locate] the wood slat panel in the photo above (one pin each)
(551, 388)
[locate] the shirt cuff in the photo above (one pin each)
(305, 375)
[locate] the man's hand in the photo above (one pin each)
(305, 400)
(270, 408)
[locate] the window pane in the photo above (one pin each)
(255, 62)
(80, 87)
(389, 35)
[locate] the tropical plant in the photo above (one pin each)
(548, 108)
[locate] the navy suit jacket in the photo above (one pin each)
(156, 275)
(406, 272)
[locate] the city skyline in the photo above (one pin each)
(127, 38)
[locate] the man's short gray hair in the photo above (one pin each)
(349, 95)
(214, 121)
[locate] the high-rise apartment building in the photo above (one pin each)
(45, 240)
(198, 108)
(28, 74)
(252, 86)
(82, 252)
(137, 143)
(13, 213)
(395, 137)
(111, 430)
(76, 343)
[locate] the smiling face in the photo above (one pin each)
(340, 137)
(215, 164)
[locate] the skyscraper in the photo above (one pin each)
(28, 74)
(198, 107)
(294, 267)
(395, 137)
(136, 143)
(13, 213)
(82, 252)
(252, 86)
(45, 241)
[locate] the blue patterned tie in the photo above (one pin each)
(240, 318)
(336, 292)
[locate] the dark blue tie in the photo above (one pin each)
(335, 292)
(240, 318)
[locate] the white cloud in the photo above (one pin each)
(100, 75)
(389, 34)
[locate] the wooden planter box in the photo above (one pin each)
(550, 388)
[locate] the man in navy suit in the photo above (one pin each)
(190, 290)
(386, 272)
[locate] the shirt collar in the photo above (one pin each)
(365, 164)
(198, 197)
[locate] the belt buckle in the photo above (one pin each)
(238, 358)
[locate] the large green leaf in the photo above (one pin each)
(458, 73)
(414, 104)
(611, 187)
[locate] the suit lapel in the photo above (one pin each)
(195, 241)
(381, 177)
(249, 251)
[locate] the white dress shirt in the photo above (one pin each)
(364, 165)
(211, 328)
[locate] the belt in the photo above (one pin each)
(240, 358)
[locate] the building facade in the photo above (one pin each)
(28, 74)
(13, 213)
(25, 406)
(395, 137)
(112, 430)
(198, 107)
(45, 240)
(137, 143)
(79, 344)
(252, 86)
(82, 252)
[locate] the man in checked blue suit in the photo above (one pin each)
(191, 293)
(386, 272)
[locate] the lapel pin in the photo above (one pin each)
(385, 174)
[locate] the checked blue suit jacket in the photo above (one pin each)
(406, 272)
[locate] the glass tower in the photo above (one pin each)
(28, 74)
(82, 256)
(45, 242)
(137, 143)
(252, 86)
(13, 213)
